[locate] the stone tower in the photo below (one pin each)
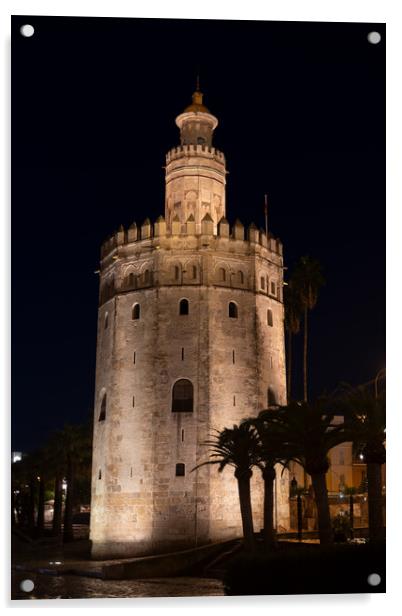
(190, 339)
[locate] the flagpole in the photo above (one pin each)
(266, 214)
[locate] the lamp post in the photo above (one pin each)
(379, 373)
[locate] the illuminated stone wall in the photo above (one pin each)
(139, 506)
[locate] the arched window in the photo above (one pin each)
(273, 288)
(135, 313)
(240, 277)
(262, 283)
(131, 279)
(270, 318)
(233, 310)
(106, 323)
(182, 396)
(102, 414)
(180, 470)
(183, 306)
(222, 274)
(271, 397)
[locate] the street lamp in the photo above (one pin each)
(379, 373)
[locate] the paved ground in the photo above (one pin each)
(75, 587)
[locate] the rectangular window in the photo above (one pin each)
(133, 401)
(180, 470)
(273, 288)
(234, 400)
(262, 283)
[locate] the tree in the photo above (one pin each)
(272, 450)
(306, 280)
(237, 447)
(293, 312)
(77, 445)
(57, 461)
(365, 422)
(310, 433)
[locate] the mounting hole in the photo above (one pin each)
(27, 585)
(374, 38)
(27, 30)
(374, 579)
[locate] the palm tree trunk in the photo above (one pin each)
(374, 480)
(40, 521)
(289, 370)
(351, 515)
(68, 534)
(269, 481)
(57, 506)
(321, 499)
(243, 482)
(305, 354)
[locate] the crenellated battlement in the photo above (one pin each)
(147, 235)
(195, 150)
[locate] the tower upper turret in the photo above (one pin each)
(195, 170)
(196, 123)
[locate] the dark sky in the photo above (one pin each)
(301, 109)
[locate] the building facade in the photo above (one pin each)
(190, 340)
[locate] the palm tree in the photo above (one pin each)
(307, 279)
(237, 447)
(310, 433)
(272, 450)
(293, 311)
(365, 421)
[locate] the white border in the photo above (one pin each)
(296, 10)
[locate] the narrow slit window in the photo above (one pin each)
(180, 470)
(233, 357)
(183, 307)
(262, 282)
(102, 414)
(233, 310)
(194, 272)
(176, 272)
(234, 400)
(182, 353)
(131, 471)
(100, 474)
(106, 320)
(270, 319)
(182, 435)
(134, 357)
(133, 401)
(271, 397)
(135, 314)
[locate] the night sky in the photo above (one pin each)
(301, 109)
